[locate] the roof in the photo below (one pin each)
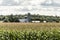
(23, 20)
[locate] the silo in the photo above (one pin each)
(29, 17)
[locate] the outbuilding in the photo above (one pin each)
(23, 20)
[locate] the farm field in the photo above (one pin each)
(29, 31)
(29, 26)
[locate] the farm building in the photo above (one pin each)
(44, 21)
(35, 21)
(26, 18)
(23, 20)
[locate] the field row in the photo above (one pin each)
(29, 26)
(30, 35)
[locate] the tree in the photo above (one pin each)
(6, 19)
(16, 19)
(11, 18)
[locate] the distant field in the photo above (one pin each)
(29, 26)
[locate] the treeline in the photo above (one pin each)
(41, 18)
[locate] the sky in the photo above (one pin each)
(8, 7)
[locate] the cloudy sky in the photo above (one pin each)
(8, 7)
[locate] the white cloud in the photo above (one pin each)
(32, 6)
(0, 1)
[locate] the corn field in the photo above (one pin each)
(33, 35)
(29, 31)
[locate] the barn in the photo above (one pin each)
(23, 20)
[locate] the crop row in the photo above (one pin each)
(30, 35)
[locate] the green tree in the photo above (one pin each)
(11, 18)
